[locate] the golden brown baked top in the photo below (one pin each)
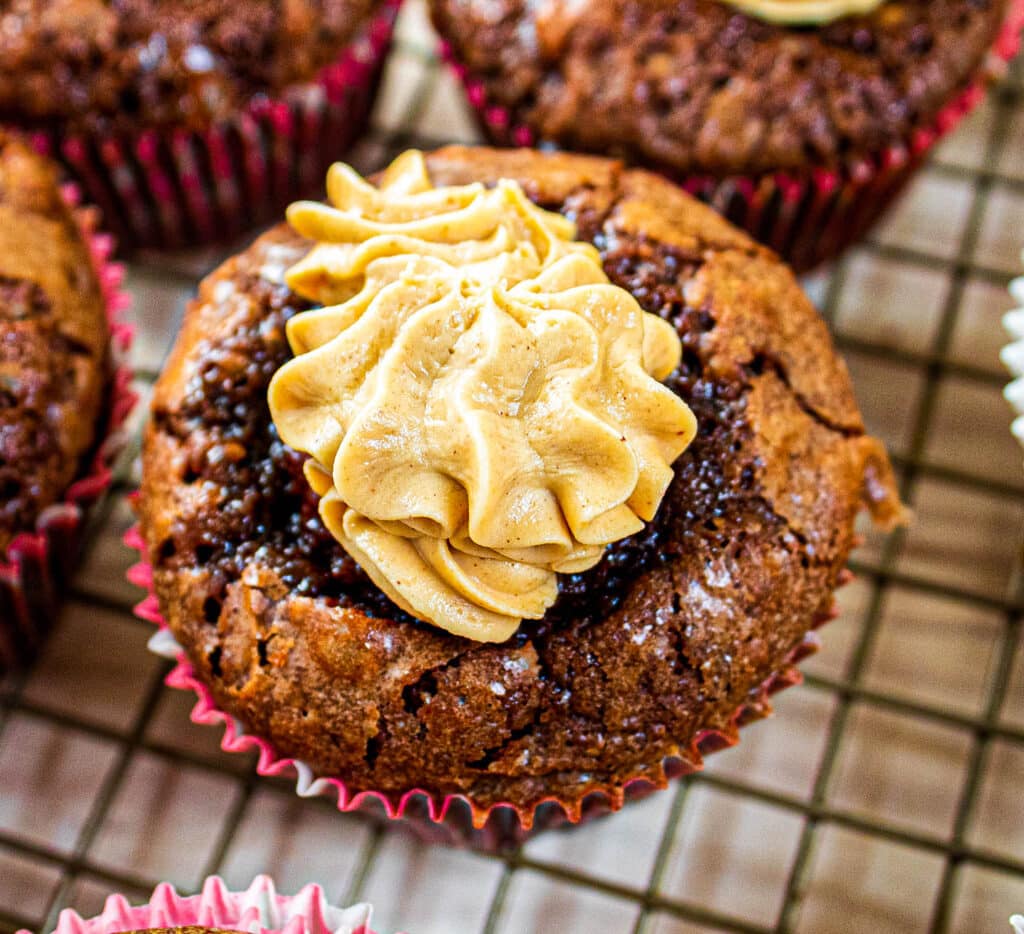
(53, 341)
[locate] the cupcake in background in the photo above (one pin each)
(192, 122)
(1013, 355)
(799, 120)
(63, 394)
(256, 910)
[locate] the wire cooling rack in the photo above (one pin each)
(886, 794)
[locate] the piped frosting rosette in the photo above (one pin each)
(1013, 355)
(481, 405)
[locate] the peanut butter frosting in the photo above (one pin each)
(804, 12)
(481, 406)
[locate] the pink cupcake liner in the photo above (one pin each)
(177, 188)
(806, 218)
(37, 564)
(257, 910)
(454, 819)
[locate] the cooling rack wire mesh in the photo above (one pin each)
(887, 793)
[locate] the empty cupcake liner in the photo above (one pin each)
(806, 218)
(258, 909)
(454, 819)
(176, 188)
(1013, 355)
(37, 564)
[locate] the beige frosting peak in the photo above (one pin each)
(481, 405)
(804, 12)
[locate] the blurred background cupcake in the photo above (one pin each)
(62, 393)
(192, 121)
(216, 908)
(800, 120)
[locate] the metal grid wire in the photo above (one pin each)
(816, 812)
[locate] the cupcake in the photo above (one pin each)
(515, 479)
(799, 120)
(1013, 355)
(217, 909)
(188, 123)
(62, 394)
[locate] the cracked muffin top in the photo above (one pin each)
(53, 342)
(105, 64)
(665, 638)
(697, 86)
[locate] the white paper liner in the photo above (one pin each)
(1013, 355)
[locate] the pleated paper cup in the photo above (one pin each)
(256, 910)
(1013, 355)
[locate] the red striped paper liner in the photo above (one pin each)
(455, 819)
(807, 218)
(38, 563)
(175, 188)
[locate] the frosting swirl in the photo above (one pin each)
(803, 12)
(481, 405)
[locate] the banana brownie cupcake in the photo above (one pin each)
(192, 121)
(513, 477)
(58, 394)
(798, 119)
